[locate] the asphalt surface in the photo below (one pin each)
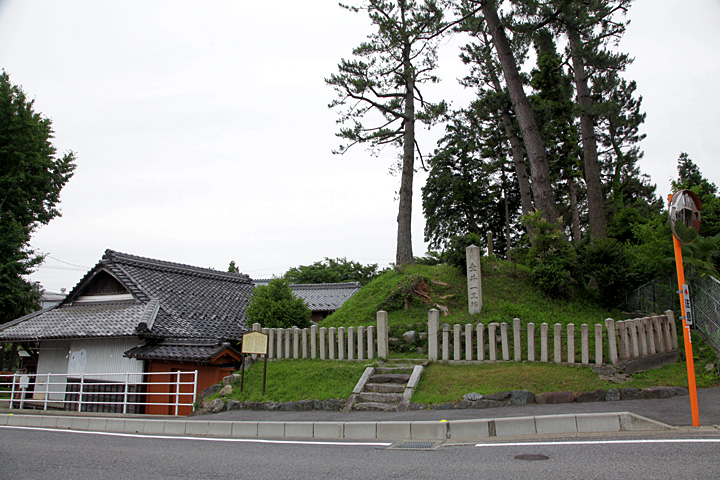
(674, 411)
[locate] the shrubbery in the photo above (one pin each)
(275, 306)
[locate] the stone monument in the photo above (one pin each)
(472, 255)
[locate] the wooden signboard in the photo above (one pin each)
(255, 343)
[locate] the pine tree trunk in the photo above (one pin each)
(518, 153)
(539, 169)
(596, 202)
(575, 215)
(404, 253)
(518, 157)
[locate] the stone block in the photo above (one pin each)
(80, 423)
(97, 424)
(299, 429)
(469, 428)
(393, 430)
(66, 422)
(521, 397)
(245, 429)
(612, 395)
(196, 428)
(498, 397)
(631, 394)
(515, 426)
(4, 419)
(554, 397)
(632, 422)
(154, 426)
(174, 427)
(16, 420)
(594, 396)
(598, 422)
(271, 429)
(681, 391)
(114, 425)
(658, 392)
(361, 430)
(220, 429)
(50, 421)
(485, 403)
(328, 430)
(555, 424)
(431, 430)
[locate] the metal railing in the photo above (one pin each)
(110, 392)
(705, 295)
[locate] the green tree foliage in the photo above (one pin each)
(555, 114)
(275, 306)
(471, 186)
(330, 270)
(552, 258)
(31, 178)
(383, 83)
(605, 269)
(232, 268)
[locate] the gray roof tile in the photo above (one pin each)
(182, 302)
(325, 297)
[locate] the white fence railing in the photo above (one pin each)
(100, 392)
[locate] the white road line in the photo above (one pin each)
(601, 442)
(206, 439)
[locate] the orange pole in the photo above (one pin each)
(686, 334)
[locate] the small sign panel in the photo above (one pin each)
(688, 308)
(254, 343)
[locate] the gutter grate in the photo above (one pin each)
(414, 445)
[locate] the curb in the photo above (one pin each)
(388, 430)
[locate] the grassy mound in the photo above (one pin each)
(408, 293)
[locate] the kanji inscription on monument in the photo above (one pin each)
(474, 282)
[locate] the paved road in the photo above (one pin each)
(672, 411)
(58, 455)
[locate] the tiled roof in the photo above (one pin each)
(325, 297)
(178, 352)
(185, 302)
(94, 320)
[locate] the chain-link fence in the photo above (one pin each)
(705, 295)
(662, 294)
(654, 297)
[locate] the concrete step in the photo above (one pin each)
(385, 387)
(374, 407)
(374, 397)
(405, 369)
(389, 378)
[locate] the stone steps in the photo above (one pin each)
(402, 378)
(384, 389)
(374, 407)
(376, 397)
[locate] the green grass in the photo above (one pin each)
(443, 383)
(293, 380)
(507, 294)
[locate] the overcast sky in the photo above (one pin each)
(202, 131)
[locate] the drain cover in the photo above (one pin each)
(415, 445)
(532, 457)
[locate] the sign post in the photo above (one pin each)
(684, 216)
(254, 343)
